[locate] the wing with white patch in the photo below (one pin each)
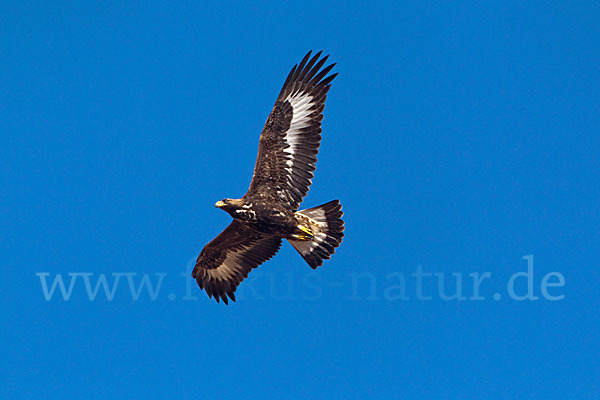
(228, 258)
(290, 139)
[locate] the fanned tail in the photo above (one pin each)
(327, 229)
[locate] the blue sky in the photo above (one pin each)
(460, 137)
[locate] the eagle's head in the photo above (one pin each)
(229, 205)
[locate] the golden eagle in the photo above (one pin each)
(267, 213)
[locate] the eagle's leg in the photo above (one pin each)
(306, 230)
(306, 233)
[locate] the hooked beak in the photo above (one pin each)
(220, 204)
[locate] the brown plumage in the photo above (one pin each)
(284, 169)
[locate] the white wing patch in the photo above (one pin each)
(228, 268)
(301, 106)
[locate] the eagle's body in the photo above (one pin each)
(264, 216)
(268, 212)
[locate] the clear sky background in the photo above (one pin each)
(459, 136)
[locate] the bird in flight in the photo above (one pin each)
(268, 212)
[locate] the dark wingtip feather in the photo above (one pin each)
(328, 80)
(231, 296)
(317, 79)
(309, 75)
(304, 60)
(316, 69)
(308, 68)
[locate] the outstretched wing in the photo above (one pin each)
(290, 139)
(228, 258)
